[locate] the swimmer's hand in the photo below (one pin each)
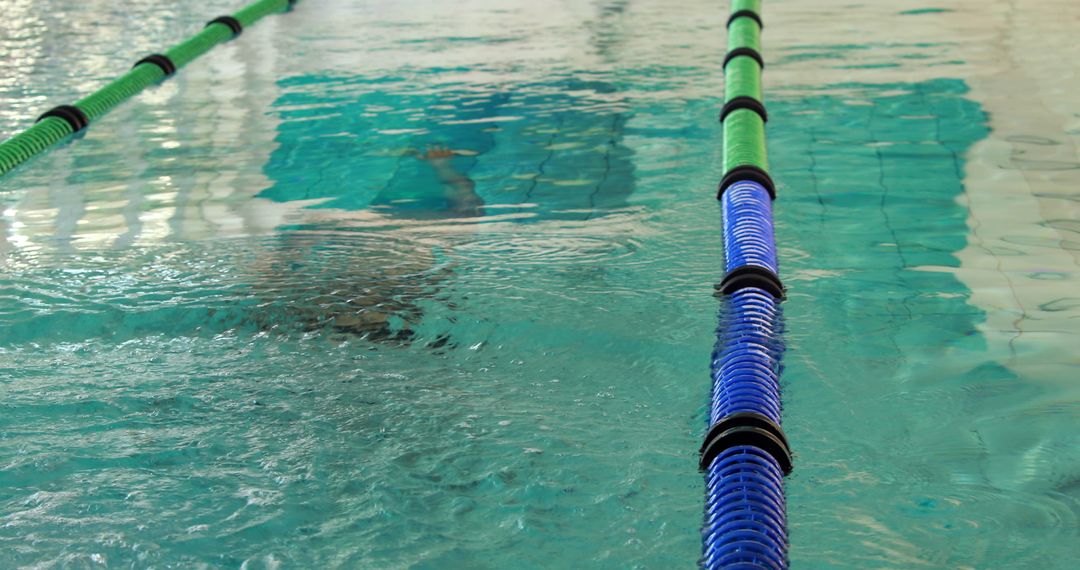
(438, 157)
(436, 153)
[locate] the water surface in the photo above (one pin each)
(241, 325)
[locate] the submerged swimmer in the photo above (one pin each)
(369, 284)
(565, 162)
(414, 280)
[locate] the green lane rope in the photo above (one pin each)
(744, 136)
(744, 111)
(61, 122)
(743, 80)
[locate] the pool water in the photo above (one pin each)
(242, 323)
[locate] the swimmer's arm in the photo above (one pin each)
(461, 193)
(460, 190)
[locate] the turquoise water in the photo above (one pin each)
(878, 319)
(242, 326)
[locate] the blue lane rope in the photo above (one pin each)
(745, 521)
(746, 455)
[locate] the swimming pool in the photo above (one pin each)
(187, 378)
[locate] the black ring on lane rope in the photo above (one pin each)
(162, 61)
(752, 276)
(746, 428)
(70, 113)
(745, 14)
(744, 102)
(746, 172)
(229, 21)
(748, 51)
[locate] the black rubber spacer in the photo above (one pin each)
(746, 172)
(162, 61)
(744, 102)
(752, 276)
(229, 21)
(747, 51)
(746, 428)
(746, 14)
(73, 115)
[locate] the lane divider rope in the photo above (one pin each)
(74, 117)
(229, 22)
(63, 121)
(161, 60)
(743, 50)
(745, 454)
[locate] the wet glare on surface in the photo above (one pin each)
(260, 316)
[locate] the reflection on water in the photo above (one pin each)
(873, 256)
